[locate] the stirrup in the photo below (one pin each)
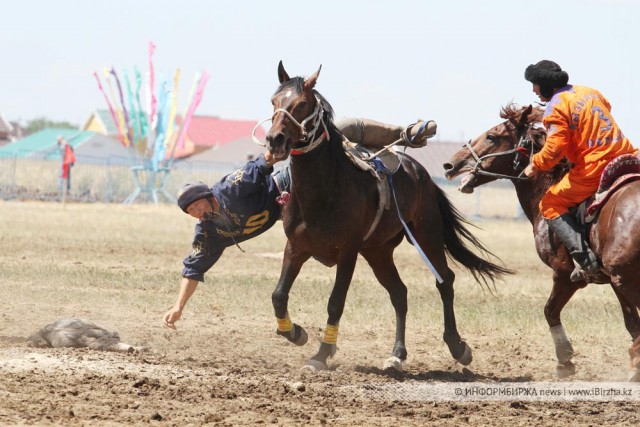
(416, 134)
(593, 273)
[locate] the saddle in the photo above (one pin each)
(620, 171)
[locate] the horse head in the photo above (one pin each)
(501, 152)
(300, 115)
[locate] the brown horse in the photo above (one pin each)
(330, 215)
(503, 152)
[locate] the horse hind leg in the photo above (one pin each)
(458, 348)
(629, 299)
(634, 356)
(381, 262)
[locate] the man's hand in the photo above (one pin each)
(270, 158)
(172, 317)
(531, 170)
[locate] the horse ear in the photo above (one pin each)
(282, 74)
(524, 116)
(311, 81)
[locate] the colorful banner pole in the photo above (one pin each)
(106, 98)
(135, 118)
(120, 123)
(152, 107)
(144, 124)
(161, 130)
(124, 108)
(192, 91)
(197, 97)
(172, 114)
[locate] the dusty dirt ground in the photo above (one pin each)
(226, 366)
(252, 377)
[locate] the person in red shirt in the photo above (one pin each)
(581, 128)
(68, 160)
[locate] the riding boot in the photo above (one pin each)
(569, 232)
(417, 134)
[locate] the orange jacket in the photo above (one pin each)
(68, 156)
(580, 127)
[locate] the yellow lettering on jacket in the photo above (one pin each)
(256, 222)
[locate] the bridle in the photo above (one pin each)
(524, 149)
(316, 118)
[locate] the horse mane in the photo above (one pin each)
(512, 113)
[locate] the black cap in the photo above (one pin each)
(192, 192)
(547, 75)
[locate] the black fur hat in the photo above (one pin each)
(192, 192)
(547, 75)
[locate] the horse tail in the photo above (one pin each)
(455, 235)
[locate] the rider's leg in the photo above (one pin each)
(554, 206)
(378, 135)
(570, 233)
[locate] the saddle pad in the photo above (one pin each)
(621, 165)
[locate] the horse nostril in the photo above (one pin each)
(447, 166)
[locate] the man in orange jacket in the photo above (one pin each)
(579, 127)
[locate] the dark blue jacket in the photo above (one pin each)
(248, 208)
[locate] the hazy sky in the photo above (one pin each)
(456, 62)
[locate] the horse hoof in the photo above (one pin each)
(566, 369)
(393, 363)
(302, 338)
(467, 356)
(313, 365)
(634, 376)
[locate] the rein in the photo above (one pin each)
(520, 150)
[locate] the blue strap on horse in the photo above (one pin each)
(380, 167)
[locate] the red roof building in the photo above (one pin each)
(210, 132)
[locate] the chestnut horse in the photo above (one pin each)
(332, 208)
(503, 152)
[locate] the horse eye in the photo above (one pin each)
(492, 138)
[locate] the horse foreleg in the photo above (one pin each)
(291, 265)
(335, 308)
(381, 262)
(457, 347)
(562, 291)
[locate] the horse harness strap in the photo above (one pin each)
(361, 157)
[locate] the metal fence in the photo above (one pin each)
(112, 180)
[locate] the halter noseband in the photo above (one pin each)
(317, 115)
(520, 150)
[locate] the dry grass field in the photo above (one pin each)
(119, 266)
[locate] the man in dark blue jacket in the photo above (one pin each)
(241, 206)
(245, 203)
